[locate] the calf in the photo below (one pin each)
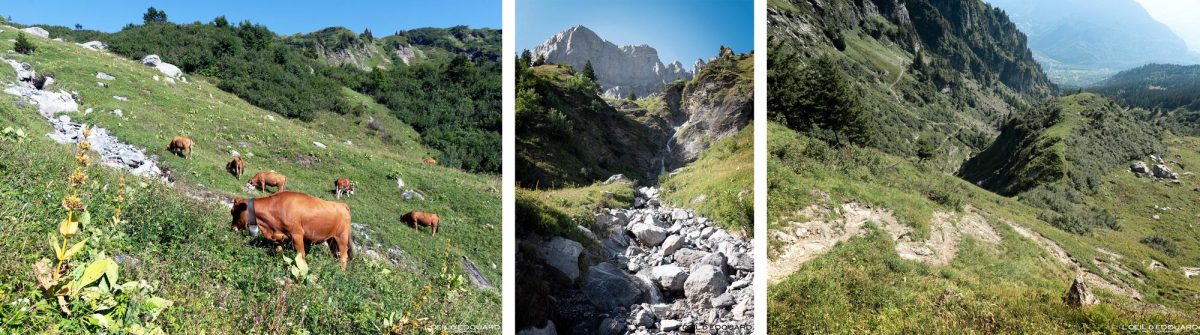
(342, 186)
(297, 217)
(236, 166)
(181, 145)
(430, 161)
(417, 219)
(262, 179)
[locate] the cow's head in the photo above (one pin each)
(238, 212)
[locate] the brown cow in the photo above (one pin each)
(237, 166)
(262, 179)
(430, 161)
(181, 145)
(297, 217)
(415, 218)
(342, 186)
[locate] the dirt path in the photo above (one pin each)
(1060, 255)
(806, 240)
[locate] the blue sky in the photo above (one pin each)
(680, 29)
(283, 17)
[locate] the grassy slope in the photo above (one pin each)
(156, 111)
(863, 286)
(559, 211)
(724, 175)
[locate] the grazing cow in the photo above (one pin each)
(181, 145)
(297, 217)
(237, 166)
(416, 219)
(430, 161)
(262, 179)
(342, 186)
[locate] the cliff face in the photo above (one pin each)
(716, 104)
(620, 70)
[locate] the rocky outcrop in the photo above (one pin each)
(166, 68)
(50, 105)
(94, 46)
(620, 70)
(716, 105)
(37, 31)
(1079, 295)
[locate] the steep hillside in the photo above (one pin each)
(720, 184)
(942, 70)
(177, 237)
(1162, 87)
(867, 242)
(292, 76)
(569, 135)
(1080, 42)
(365, 51)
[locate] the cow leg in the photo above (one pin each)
(434, 229)
(298, 242)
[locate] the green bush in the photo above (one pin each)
(23, 45)
(1160, 243)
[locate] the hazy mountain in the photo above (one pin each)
(1079, 42)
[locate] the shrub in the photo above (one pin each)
(23, 45)
(1160, 243)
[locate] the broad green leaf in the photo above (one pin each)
(156, 304)
(100, 320)
(75, 249)
(85, 218)
(93, 272)
(301, 264)
(111, 271)
(58, 252)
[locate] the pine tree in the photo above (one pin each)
(588, 71)
(221, 22)
(154, 15)
(78, 26)
(541, 60)
(632, 96)
(367, 35)
(527, 57)
(815, 97)
(23, 45)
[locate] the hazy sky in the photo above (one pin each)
(1183, 16)
(680, 30)
(284, 17)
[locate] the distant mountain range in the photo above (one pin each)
(1079, 42)
(620, 70)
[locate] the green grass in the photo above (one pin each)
(205, 264)
(559, 211)
(862, 286)
(720, 184)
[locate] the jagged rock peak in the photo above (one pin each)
(619, 69)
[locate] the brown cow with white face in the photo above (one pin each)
(262, 179)
(417, 219)
(182, 146)
(297, 217)
(342, 186)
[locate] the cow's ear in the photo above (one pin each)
(238, 201)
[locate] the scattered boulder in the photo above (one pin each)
(670, 277)
(705, 281)
(614, 178)
(1157, 160)
(105, 76)
(649, 235)
(1139, 168)
(1079, 295)
(166, 68)
(37, 31)
(563, 255)
(319, 144)
(94, 46)
(672, 244)
(1161, 171)
(607, 287)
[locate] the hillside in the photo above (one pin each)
(568, 134)
(292, 76)
(928, 69)
(875, 105)
(1154, 86)
(1080, 42)
(178, 238)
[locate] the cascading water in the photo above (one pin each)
(668, 151)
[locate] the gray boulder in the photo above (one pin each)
(649, 235)
(1161, 171)
(608, 287)
(705, 281)
(563, 255)
(1079, 295)
(686, 257)
(166, 68)
(94, 46)
(105, 76)
(1139, 168)
(37, 31)
(672, 244)
(670, 277)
